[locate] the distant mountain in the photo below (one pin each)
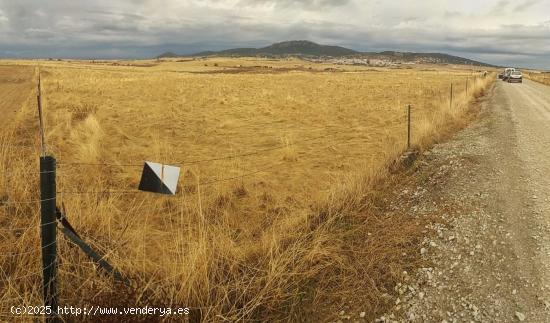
(168, 55)
(310, 49)
(287, 48)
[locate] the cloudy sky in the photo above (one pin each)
(506, 32)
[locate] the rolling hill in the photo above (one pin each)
(296, 47)
(168, 55)
(304, 48)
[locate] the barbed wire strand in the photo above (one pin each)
(9, 254)
(13, 229)
(256, 152)
(193, 162)
(18, 146)
(28, 173)
(33, 225)
(6, 203)
(225, 179)
(99, 192)
(205, 183)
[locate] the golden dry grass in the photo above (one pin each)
(272, 235)
(543, 78)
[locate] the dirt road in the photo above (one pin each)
(490, 256)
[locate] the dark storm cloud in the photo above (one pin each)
(145, 28)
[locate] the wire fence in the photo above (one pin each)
(207, 182)
(200, 161)
(89, 244)
(11, 254)
(62, 194)
(169, 210)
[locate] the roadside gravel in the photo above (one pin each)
(489, 255)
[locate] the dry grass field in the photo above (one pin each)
(16, 85)
(283, 164)
(543, 78)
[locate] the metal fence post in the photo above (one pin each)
(408, 127)
(48, 234)
(451, 99)
(40, 117)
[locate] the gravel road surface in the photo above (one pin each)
(490, 257)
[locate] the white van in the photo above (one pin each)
(507, 72)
